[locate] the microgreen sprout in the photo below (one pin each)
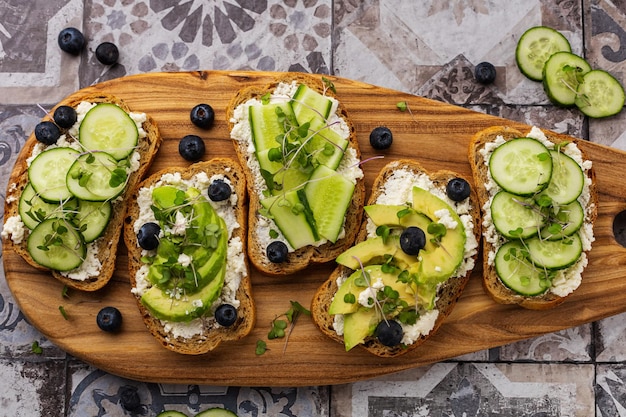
(36, 348)
(282, 326)
(63, 312)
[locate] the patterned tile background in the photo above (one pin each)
(427, 48)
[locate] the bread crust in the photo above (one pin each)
(108, 243)
(491, 283)
(448, 293)
(300, 258)
(246, 316)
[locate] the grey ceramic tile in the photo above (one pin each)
(569, 345)
(611, 390)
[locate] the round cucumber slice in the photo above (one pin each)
(171, 413)
(56, 244)
(521, 166)
(562, 74)
(47, 173)
(600, 95)
(34, 210)
(92, 218)
(535, 47)
(106, 127)
(565, 222)
(95, 176)
(517, 273)
(515, 217)
(216, 412)
(567, 180)
(555, 254)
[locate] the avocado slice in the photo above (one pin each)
(373, 251)
(359, 325)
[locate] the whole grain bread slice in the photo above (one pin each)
(491, 282)
(107, 244)
(246, 312)
(300, 258)
(447, 294)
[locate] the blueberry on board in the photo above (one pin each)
(485, 73)
(191, 147)
(109, 319)
(71, 40)
(219, 190)
(202, 116)
(277, 252)
(107, 53)
(381, 138)
(65, 116)
(458, 189)
(129, 398)
(412, 240)
(226, 315)
(148, 236)
(389, 333)
(47, 133)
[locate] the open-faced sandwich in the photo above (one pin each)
(186, 236)
(301, 159)
(415, 253)
(68, 192)
(539, 203)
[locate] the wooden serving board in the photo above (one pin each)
(434, 133)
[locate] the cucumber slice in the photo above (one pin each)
(562, 74)
(267, 124)
(307, 105)
(56, 244)
(47, 173)
(106, 127)
(600, 95)
(514, 216)
(92, 218)
(216, 412)
(328, 195)
(95, 176)
(565, 222)
(326, 145)
(521, 166)
(289, 215)
(517, 273)
(535, 47)
(555, 254)
(567, 180)
(171, 413)
(34, 210)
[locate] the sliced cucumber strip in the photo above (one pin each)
(267, 124)
(47, 173)
(534, 48)
(92, 218)
(555, 254)
(517, 273)
(521, 166)
(326, 145)
(289, 215)
(34, 210)
(56, 244)
(329, 195)
(308, 104)
(96, 176)
(566, 221)
(600, 95)
(106, 127)
(567, 180)
(514, 216)
(562, 74)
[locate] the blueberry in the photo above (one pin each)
(129, 398)
(109, 319)
(148, 236)
(71, 40)
(47, 133)
(277, 252)
(485, 73)
(381, 138)
(191, 147)
(219, 190)
(226, 315)
(389, 333)
(65, 116)
(202, 116)
(458, 189)
(107, 53)
(412, 240)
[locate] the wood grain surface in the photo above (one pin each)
(434, 133)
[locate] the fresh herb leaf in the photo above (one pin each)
(261, 347)
(35, 348)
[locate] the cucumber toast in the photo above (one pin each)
(67, 194)
(186, 255)
(539, 203)
(414, 254)
(301, 158)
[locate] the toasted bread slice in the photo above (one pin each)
(106, 245)
(212, 334)
(257, 244)
(448, 293)
(480, 170)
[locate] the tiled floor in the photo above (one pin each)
(427, 48)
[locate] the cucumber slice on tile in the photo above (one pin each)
(521, 166)
(34, 210)
(106, 127)
(517, 273)
(171, 413)
(562, 74)
(288, 214)
(555, 254)
(47, 173)
(567, 180)
(565, 222)
(535, 47)
(600, 95)
(95, 176)
(307, 105)
(514, 216)
(92, 218)
(56, 244)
